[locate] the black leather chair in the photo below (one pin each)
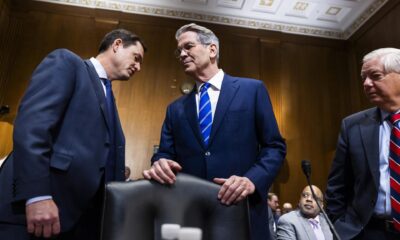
(136, 210)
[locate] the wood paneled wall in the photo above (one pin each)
(7, 34)
(308, 79)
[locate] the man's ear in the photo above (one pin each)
(213, 50)
(116, 44)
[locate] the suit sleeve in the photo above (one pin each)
(39, 117)
(285, 230)
(272, 146)
(167, 145)
(338, 190)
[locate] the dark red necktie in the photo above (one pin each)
(394, 165)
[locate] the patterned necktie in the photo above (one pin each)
(205, 114)
(394, 166)
(110, 105)
(316, 228)
(313, 222)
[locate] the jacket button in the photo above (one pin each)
(207, 154)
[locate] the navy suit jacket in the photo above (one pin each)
(244, 141)
(353, 181)
(61, 141)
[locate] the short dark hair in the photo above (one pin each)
(128, 38)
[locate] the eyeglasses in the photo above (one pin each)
(186, 48)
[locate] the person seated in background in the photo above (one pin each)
(273, 204)
(305, 223)
(286, 208)
(278, 214)
(127, 174)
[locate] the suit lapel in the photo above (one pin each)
(191, 115)
(98, 89)
(306, 225)
(325, 228)
(228, 91)
(369, 130)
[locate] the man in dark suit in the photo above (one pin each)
(68, 142)
(360, 197)
(224, 131)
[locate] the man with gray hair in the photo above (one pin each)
(363, 186)
(223, 131)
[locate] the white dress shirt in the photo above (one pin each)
(383, 206)
(213, 91)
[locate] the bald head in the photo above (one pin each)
(287, 207)
(307, 204)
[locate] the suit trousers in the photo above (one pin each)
(378, 228)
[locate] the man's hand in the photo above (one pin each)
(42, 218)
(163, 171)
(234, 189)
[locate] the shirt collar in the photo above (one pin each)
(215, 81)
(317, 218)
(99, 68)
(385, 115)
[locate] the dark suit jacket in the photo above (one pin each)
(354, 177)
(244, 141)
(61, 141)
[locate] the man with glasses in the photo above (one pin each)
(305, 223)
(223, 131)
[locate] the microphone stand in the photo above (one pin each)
(335, 234)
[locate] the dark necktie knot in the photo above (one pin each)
(106, 82)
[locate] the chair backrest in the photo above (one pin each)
(136, 210)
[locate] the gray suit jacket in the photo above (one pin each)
(294, 226)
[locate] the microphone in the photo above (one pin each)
(306, 166)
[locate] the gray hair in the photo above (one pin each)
(204, 35)
(389, 57)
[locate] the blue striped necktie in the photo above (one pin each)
(394, 166)
(205, 114)
(111, 114)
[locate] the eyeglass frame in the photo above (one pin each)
(178, 51)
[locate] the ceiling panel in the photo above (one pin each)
(337, 19)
